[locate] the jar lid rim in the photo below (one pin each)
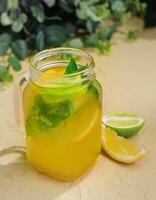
(47, 53)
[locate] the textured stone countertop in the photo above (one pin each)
(128, 78)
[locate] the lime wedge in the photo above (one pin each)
(125, 124)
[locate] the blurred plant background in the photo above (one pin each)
(28, 26)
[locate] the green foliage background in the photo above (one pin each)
(33, 25)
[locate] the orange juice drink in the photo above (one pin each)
(63, 123)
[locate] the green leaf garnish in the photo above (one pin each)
(81, 68)
(45, 116)
(72, 67)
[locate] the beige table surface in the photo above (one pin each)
(128, 78)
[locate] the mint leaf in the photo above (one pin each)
(47, 115)
(81, 68)
(65, 56)
(72, 67)
(92, 89)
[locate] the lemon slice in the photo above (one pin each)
(119, 148)
(125, 124)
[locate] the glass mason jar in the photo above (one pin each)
(62, 113)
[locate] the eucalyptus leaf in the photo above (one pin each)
(91, 14)
(106, 32)
(38, 13)
(143, 9)
(102, 11)
(19, 48)
(126, 16)
(66, 6)
(118, 6)
(69, 28)
(81, 11)
(2, 5)
(17, 26)
(50, 3)
(14, 63)
(105, 47)
(23, 18)
(5, 75)
(92, 40)
(76, 43)
(56, 35)
(39, 24)
(5, 41)
(90, 25)
(5, 19)
(25, 5)
(40, 41)
(12, 4)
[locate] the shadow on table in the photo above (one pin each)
(128, 166)
(17, 175)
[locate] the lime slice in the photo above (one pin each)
(125, 124)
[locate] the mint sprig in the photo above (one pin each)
(73, 68)
(45, 116)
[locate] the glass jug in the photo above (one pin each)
(61, 113)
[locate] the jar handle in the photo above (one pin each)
(19, 84)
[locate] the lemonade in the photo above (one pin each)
(63, 125)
